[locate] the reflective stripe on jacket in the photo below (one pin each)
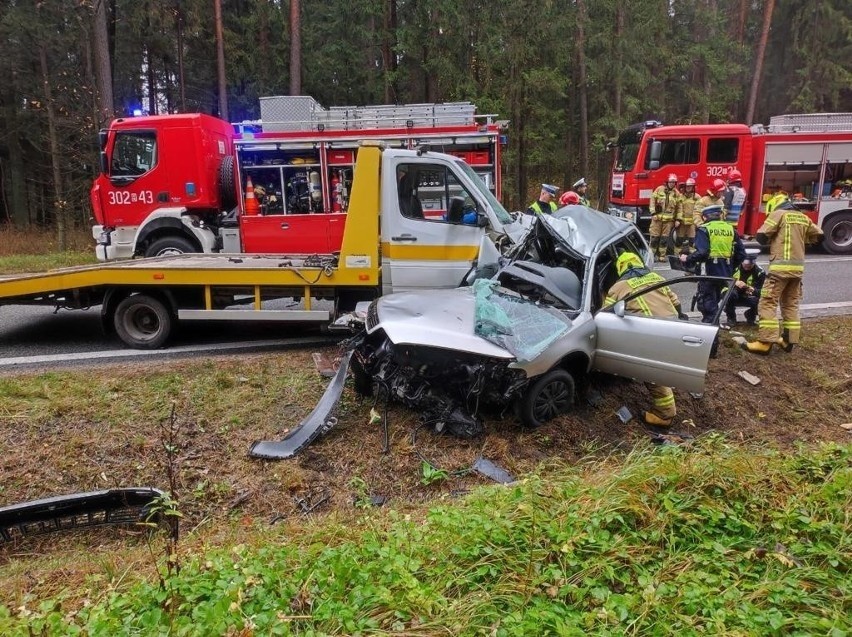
(661, 302)
(788, 232)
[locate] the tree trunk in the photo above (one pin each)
(741, 21)
(388, 53)
(582, 87)
(59, 204)
(619, 57)
(758, 61)
(295, 49)
(103, 66)
(179, 44)
(220, 61)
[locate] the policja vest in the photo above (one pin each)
(721, 236)
(536, 207)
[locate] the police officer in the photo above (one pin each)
(735, 196)
(786, 231)
(713, 197)
(581, 188)
(662, 303)
(545, 203)
(748, 282)
(665, 207)
(686, 228)
(718, 246)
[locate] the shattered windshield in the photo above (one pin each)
(514, 323)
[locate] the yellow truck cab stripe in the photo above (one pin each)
(429, 253)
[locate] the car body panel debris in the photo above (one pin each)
(317, 423)
(487, 468)
(624, 414)
(751, 379)
(324, 366)
(125, 506)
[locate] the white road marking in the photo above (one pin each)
(143, 353)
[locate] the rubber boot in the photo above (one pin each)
(784, 343)
(655, 421)
(757, 347)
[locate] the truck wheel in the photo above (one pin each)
(227, 184)
(143, 322)
(168, 246)
(552, 394)
(838, 234)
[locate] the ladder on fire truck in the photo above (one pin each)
(284, 113)
(806, 123)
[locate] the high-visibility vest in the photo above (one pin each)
(721, 236)
(536, 207)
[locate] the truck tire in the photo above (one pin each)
(838, 234)
(547, 397)
(169, 245)
(143, 322)
(227, 184)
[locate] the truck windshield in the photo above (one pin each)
(476, 180)
(627, 149)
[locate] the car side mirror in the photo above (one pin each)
(618, 309)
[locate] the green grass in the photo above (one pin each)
(39, 262)
(708, 539)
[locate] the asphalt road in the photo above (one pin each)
(32, 336)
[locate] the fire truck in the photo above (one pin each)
(809, 157)
(174, 184)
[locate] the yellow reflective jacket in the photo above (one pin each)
(787, 232)
(661, 302)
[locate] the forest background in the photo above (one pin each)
(567, 74)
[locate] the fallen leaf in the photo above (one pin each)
(375, 417)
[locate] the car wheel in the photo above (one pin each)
(838, 234)
(552, 394)
(143, 322)
(169, 246)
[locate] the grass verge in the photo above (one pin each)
(714, 538)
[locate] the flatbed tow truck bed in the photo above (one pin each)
(141, 299)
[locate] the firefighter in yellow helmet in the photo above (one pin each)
(634, 276)
(786, 231)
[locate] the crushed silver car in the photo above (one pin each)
(525, 337)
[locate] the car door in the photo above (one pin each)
(666, 351)
(427, 241)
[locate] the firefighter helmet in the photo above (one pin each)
(718, 186)
(671, 177)
(627, 260)
(735, 175)
(690, 182)
(569, 198)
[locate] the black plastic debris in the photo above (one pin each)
(594, 397)
(318, 422)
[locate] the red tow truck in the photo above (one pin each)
(173, 184)
(807, 156)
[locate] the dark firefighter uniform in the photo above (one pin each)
(662, 303)
(720, 249)
(787, 231)
(748, 282)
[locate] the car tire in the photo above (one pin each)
(168, 246)
(838, 234)
(143, 322)
(547, 397)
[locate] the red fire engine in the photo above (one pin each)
(809, 157)
(175, 183)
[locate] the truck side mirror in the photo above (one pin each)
(104, 161)
(103, 134)
(481, 220)
(654, 155)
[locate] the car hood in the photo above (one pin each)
(484, 319)
(434, 318)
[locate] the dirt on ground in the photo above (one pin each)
(802, 397)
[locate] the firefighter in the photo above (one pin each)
(686, 228)
(718, 246)
(665, 207)
(633, 276)
(748, 282)
(569, 198)
(786, 231)
(776, 200)
(581, 188)
(713, 197)
(734, 198)
(545, 203)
